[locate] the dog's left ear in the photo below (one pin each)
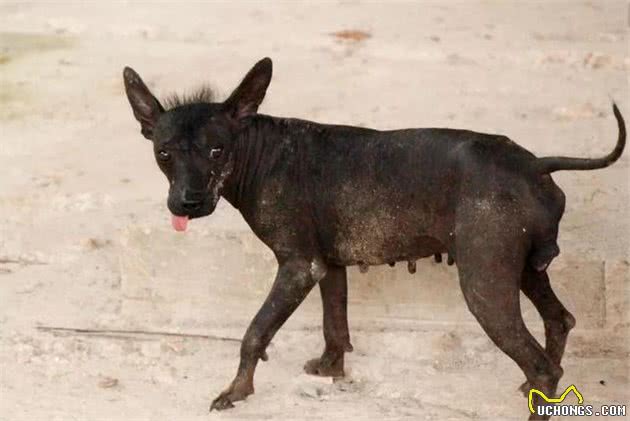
(146, 108)
(250, 93)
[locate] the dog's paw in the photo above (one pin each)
(236, 392)
(221, 402)
(328, 365)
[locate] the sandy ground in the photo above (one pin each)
(85, 241)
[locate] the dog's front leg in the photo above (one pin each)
(334, 291)
(294, 281)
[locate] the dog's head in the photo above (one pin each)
(193, 138)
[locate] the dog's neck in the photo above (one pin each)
(256, 150)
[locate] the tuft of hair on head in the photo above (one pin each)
(204, 94)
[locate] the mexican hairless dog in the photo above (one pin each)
(323, 197)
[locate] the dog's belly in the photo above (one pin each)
(349, 252)
(372, 240)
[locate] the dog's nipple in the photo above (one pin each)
(411, 266)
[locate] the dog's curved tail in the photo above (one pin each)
(550, 164)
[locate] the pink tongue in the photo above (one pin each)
(179, 222)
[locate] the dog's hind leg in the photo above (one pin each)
(334, 292)
(557, 319)
(491, 257)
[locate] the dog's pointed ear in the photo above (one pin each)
(146, 108)
(250, 93)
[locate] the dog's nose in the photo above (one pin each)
(191, 200)
(191, 204)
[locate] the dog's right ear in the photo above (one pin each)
(146, 108)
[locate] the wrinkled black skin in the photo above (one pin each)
(324, 197)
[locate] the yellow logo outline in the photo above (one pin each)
(571, 388)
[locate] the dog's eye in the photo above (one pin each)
(216, 152)
(164, 156)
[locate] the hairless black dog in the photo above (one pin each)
(323, 197)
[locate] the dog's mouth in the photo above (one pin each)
(179, 223)
(183, 212)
